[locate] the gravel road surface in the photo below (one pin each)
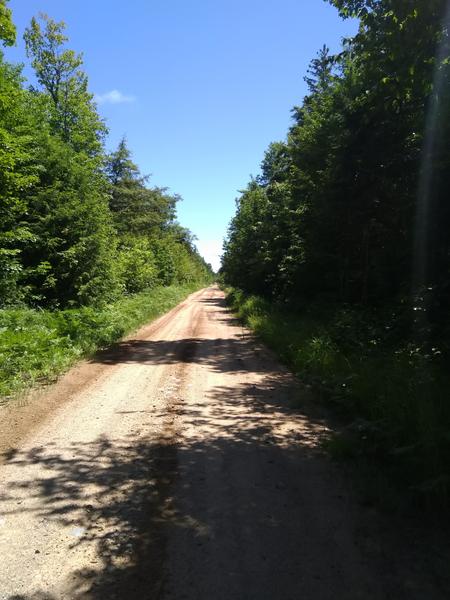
(183, 463)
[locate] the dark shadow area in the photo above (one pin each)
(226, 313)
(130, 496)
(240, 506)
(219, 301)
(115, 491)
(220, 354)
(212, 352)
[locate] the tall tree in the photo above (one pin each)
(7, 28)
(17, 169)
(137, 208)
(58, 70)
(366, 168)
(71, 260)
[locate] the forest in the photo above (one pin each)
(345, 234)
(82, 232)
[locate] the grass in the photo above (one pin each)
(37, 345)
(391, 395)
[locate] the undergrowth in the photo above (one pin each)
(38, 345)
(391, 394)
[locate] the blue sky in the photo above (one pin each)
(199, 87)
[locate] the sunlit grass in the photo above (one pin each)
(37, 345)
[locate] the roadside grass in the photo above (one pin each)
(38, 345)
(391, 396)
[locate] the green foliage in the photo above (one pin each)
(79, 227)
(153, 248)
(71, 260)
(335, 211)
(137, 265)
(392, 395)
(58, 70)
(18, 173)
(351, 214)
(137, 209)
(7, 29)
(37, 345)
(81, 232)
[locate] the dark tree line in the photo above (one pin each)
(342, 243)
(78, 225)
(353, 207)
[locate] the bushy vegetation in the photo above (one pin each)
(346, 230)
(85, 242)
(392, 397)
(38, 345)
(79, 227)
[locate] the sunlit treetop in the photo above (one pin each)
(354, 8)
(7, 29)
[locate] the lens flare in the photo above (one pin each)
(424, 210)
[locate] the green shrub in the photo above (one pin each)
(37, 345)
(393, 394)
(137, 265)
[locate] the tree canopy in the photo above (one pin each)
(79, 225)
(356, 196)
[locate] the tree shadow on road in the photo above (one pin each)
(113, 492)
(220, 354)
(243, 460)
(124, 495)
(233, 353)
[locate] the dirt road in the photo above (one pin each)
(175, 466)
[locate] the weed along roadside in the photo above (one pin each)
(38, 345)
(389, 404)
